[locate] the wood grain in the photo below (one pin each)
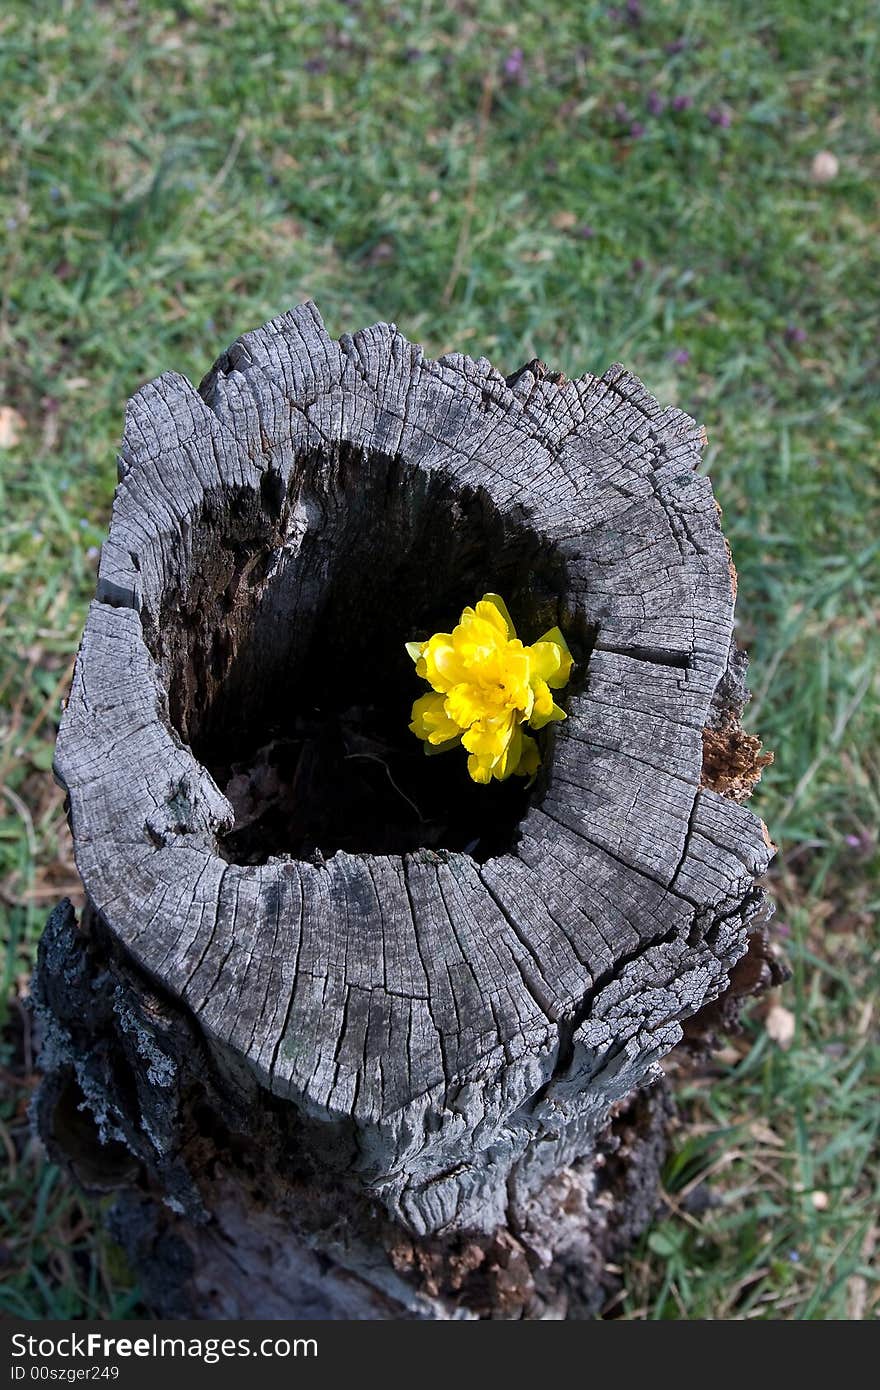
(470, 1018)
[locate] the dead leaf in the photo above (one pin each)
(780, 1024)
(765, 1135)
(12, 426)
(50, 423)
(563, 221)
(825, 167)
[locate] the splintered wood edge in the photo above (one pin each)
(442, 1005)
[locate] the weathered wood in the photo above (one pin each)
(444, 990)
(224, 1204)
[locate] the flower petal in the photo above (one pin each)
(480, 769)
(465, 704)
(488, 737)
(538, 721)
(496, 602)
(543, 699)
(441, 665)
(509, 760)
(432, 749)
(560, 676)
(530, 758)
(430, 721)
(545, 659)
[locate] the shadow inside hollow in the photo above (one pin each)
(286, 665)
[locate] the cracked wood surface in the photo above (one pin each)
(468, 1025)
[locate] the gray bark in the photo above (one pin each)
(428, 1017)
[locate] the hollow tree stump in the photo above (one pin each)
(351, 1035)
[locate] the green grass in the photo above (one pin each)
(172, 176)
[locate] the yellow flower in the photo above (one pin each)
(485, 685)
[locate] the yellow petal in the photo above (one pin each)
(432, 749)
(496, 602)
(441, 665)
(476, 640)
(543, 700)
(545, 659)
(517, 662)
(538, 721)
(554, 634)
(465, 705)
(509, 759)
(530, 758)
(563, 671)
(430, 721)
(490, 737)
(480, 770)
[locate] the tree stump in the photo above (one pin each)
(350, 1035)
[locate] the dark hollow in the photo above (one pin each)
(282, 642)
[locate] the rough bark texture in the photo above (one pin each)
(377, 1020)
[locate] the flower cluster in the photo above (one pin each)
(485, 685)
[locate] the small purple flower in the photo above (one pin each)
(862, 844)
(720, 116)
(55, 193)
(655, 104)
(681, 357)
(637, 265)
(795, 334)
(620, 113)
(83, 524)
(316, 65)
(677, 46)
(783, 928)
(634, 11)
(636, 130)
(514, 63)
(412, 55)
(93, 552)
(11, 224)
(586, 232)
(682, 102)
(794, 1257)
